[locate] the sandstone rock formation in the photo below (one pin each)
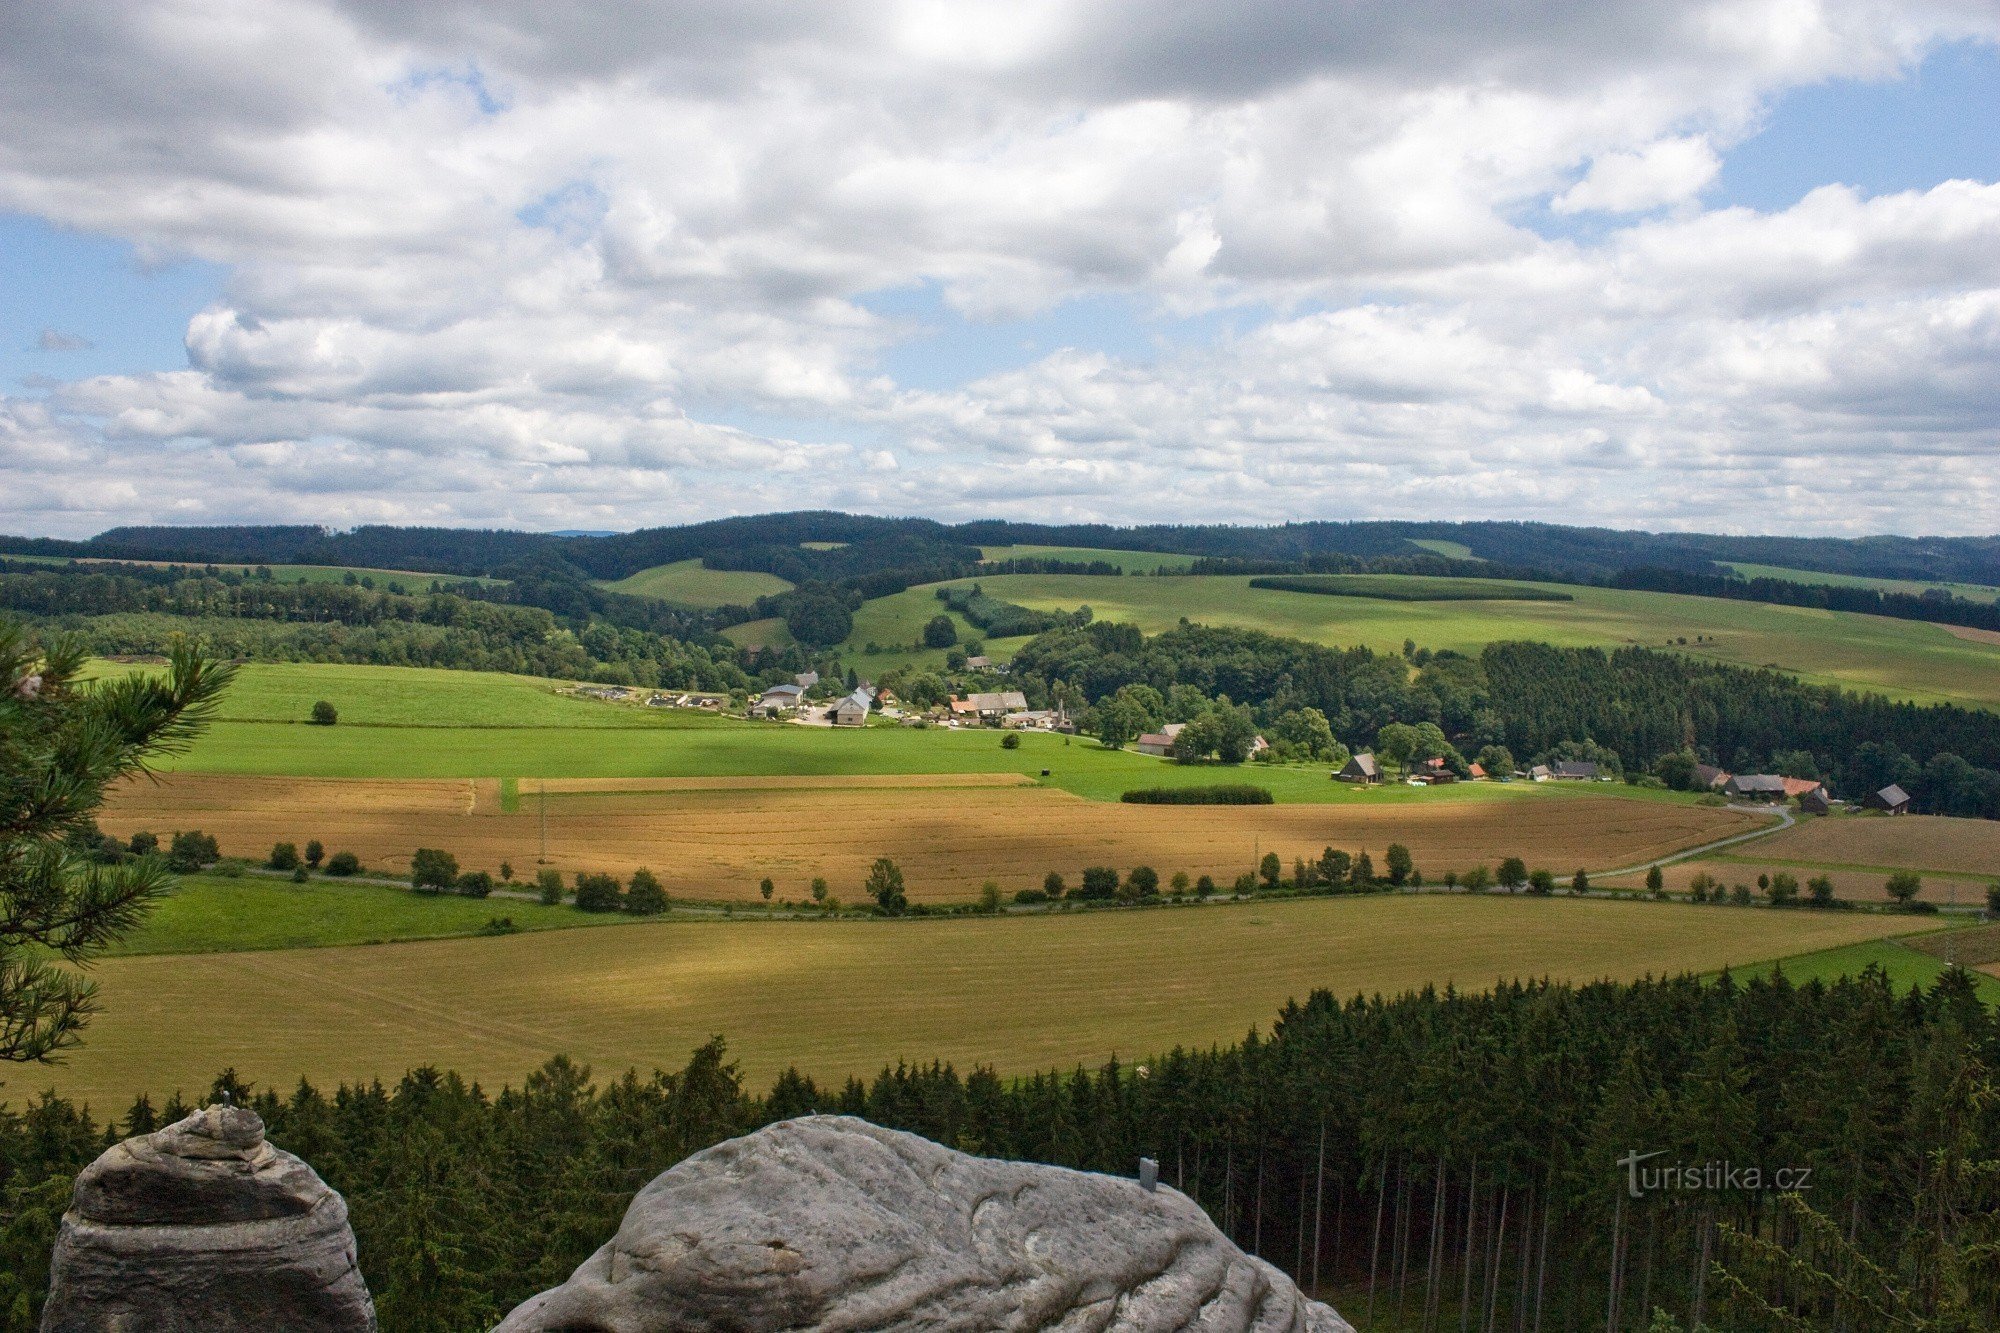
(205, 1226)
(828, 1222)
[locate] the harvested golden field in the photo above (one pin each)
(1019, 993)
(715, 839)
(1856, 885)
(1916, 842)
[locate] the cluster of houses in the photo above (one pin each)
(1365, 768)
(1812, 796)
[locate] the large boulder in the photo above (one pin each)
(828, 1223)
(205, 1226)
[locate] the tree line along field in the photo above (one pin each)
(1132, 562)
(717, 839)
(1958, 858)
(1900, 658)
(1017, 993)
(1974, 592)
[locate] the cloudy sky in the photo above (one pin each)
(1730, 265)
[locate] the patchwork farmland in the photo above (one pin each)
(715, 839)
(1018, 993)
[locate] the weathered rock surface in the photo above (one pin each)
(205, 1226)
(830, 1223)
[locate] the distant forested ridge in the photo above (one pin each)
(1642, 704)
(860, 545)
(1428, 1153)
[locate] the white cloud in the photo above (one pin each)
(513, 262)
(1671, 171)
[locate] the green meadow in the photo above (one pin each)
(1976, 592)
(1132, 562)
(691, 583)
(1900, 658)
(229, 914)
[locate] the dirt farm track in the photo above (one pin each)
(715, 838)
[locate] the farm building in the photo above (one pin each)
(1755, 787)
(1574, 770)
(990, 707)
(1475, 772)
(1707, 777)
(981, 663)
(1539, 773)
(852, 709)
(1434, 772)
(1161, 741)
(1816, 802)
(1891, 798)
(1360, 768)
(1796, 788)
(805, 680)
(778, 699)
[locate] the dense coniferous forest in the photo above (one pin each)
(776, 543)
(1446, 1160)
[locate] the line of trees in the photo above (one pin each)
(1435, 1160)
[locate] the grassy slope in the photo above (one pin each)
(771, 632)
(412, 580)
(1132, 562)
(1977, 592)
(1905, 966)
(374, 696)
(1439, 546)
(215, 913)
(690, 583)
(1902, 658)
(1020, 993)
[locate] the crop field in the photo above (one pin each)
(950, 834)
(1132, 562)
(1957, 857)
(1901, 658)
(1017, 993)
(1975, 592)
(691, 583)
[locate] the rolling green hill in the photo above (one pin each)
(1900, 658)
(691, 583)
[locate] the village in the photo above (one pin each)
(798, 702)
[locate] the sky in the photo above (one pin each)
(1727, 266)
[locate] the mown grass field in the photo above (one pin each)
(1132, 562)
(1958, 858)
(717, 838)
(691, 583)
(1976, 592)
(1904, 966)
(225, 914)
(1900, 658)
(1018, 993)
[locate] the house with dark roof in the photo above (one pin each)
(1574, 771)
(1360, 768)
(1816, 802)
(1755, 787)
(1707, 777)
(1891, 798)
(990, 707)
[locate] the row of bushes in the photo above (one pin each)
(1222, 793)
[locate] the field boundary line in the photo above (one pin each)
(1786, 819)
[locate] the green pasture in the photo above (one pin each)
(1976, 592)
(1905, 967)
(389, 697)
(1132, 562)
(895, 623)
(1900, 658)
(691, 583)
(411, 580)
(1421, 588)
(770, 632)
(225, 914)
(1439, 546)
